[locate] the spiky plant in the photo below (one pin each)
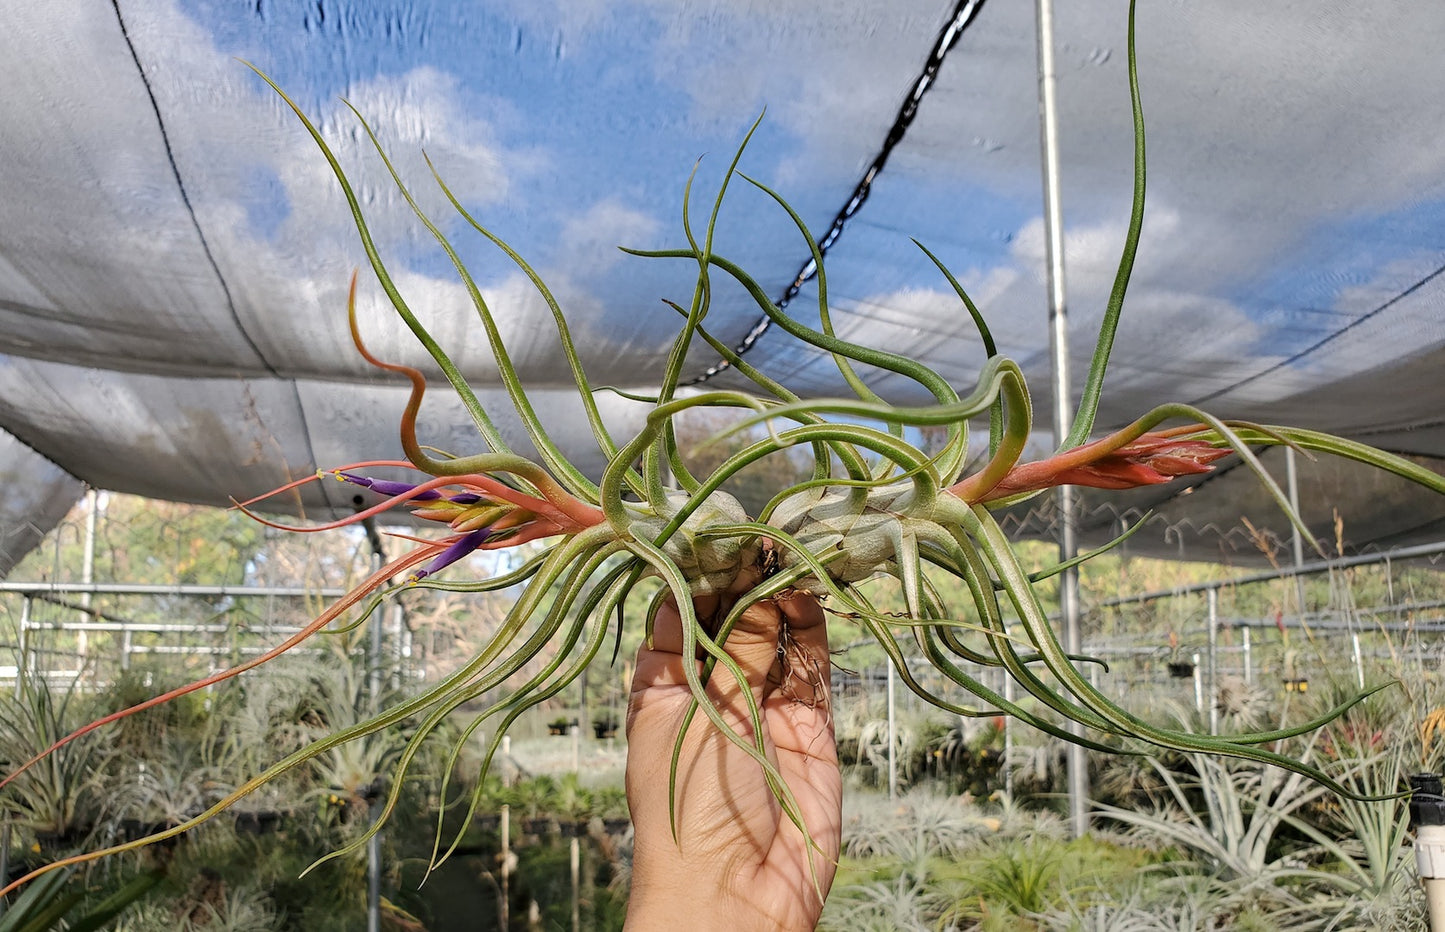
(1226, 814)
(918, 824)
(60, 798)
(873, 504)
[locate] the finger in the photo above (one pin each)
(659, 657)
(659, 660)
(666, 634)
(751, 642)
(803, 612)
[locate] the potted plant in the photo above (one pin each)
(533, 799)
(559, 726)
(574, 805)
(260, 823)
(611, 802)
(493, 795)
(605, 727)
(59, 802)
(1180, 668)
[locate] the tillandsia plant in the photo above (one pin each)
(874, 505)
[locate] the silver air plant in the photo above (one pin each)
(874, 505)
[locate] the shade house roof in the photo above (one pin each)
(175, 253)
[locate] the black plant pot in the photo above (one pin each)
(536, 826)
(604, 730)
(616, 826)
(55, 842)
(1181, 669)
(136, 829)
(257, 823)
(573, 829)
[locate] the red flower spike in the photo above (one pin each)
(1150, 459)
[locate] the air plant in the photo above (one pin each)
(874, 504)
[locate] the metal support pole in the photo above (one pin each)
(576, 858)
(892, 741)
(374, 655)
(87, 576)
(404, 644)
(373, 882)
(1008, 737)
(398, 645)
(1078, 772)
(584, 708)
(22, 662)
(1213, 670)
(505, 906)
(1248, 659)
(1198, 685)
(374, 662)
(1296, 540)
(1291, 474)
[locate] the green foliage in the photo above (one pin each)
(59, 798)
(1210, 843)
(938, 862)
(534, 797)
(62, 898)
(252, 874)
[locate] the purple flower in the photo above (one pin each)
(387, 487)
(458, 548)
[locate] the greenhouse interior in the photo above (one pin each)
(1076, 370)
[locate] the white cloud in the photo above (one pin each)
(1164, 322)
(820, 72)
(1248, 103)
(289, 279)
(1286, 105)
(1196, 340)
(589, 241)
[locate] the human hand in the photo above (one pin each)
(738, 862)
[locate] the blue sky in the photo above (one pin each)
(587, 117)
(567, 95)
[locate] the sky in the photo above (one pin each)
(1293, 179)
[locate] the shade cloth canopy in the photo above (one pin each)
(174, 253)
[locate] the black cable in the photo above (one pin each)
(185, 196)
(1324, 340)
(963, 16)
